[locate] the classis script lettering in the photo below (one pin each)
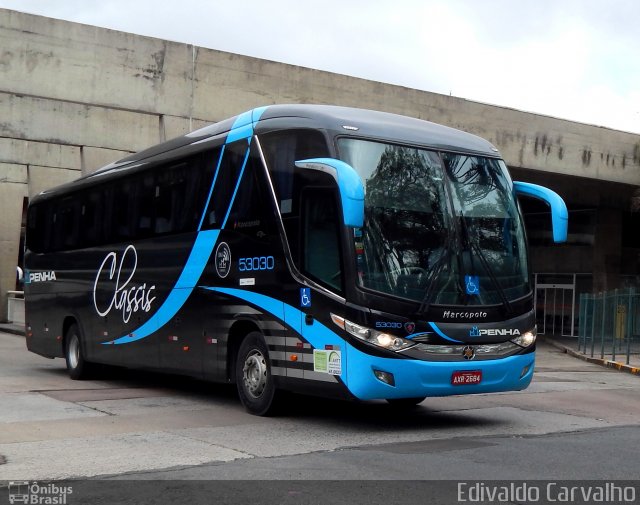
(121, 295)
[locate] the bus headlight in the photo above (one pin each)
(527, 339)
(377, 338)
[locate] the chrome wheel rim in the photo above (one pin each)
(254, 373)
(74, 351)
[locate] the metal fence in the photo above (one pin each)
(609, 324)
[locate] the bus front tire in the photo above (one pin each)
(77, 366)
(254, 380)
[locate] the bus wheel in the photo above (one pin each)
(77, 366)
(253, 376)
(405, 402)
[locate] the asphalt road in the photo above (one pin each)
(577, 421)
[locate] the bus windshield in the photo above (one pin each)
(440, 228)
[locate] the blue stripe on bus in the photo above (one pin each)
(233, 196)
(442, 334)
(193, 269)
(213, 183)
(242, 128)
(319, 336)
(203, 246)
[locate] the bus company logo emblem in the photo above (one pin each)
(409, 327)
(494, 332)
(468, 352)
(223, 260)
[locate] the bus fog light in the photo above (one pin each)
(385, 377)
(525, 371)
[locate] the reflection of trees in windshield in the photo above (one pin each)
(404, 228)
(471, 176)
(433, 218)
(488, 220)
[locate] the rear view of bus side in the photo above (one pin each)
(317, 249)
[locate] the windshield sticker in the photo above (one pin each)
(121, 294)
(472, 284)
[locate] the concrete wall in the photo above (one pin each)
(75, 97)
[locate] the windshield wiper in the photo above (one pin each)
(435, 273)
(473, 246)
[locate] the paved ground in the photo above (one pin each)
(577, 420)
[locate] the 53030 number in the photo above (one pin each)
(256, 263)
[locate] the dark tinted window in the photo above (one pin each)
(282, 149)
(164, 199)
(91, 218)
(252, 212)
(321, 256)
(233, 160)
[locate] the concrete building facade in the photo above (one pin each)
(75, 97)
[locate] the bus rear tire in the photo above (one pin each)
(405, 403)
(254, 380)
(77, 366)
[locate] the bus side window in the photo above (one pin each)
(122, 207)
(230, 166)
(171, 203)
(281, 150)
(66, 230)
(321, 239)
(145, 205)
(39, 227)
(252, 213)
(91, 218)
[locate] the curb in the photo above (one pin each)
(13, 329)
(607, 363)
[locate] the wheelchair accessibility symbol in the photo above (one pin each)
(472, 284)
(305, 297)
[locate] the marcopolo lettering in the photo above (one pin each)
(450, 314)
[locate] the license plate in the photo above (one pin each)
(466, 378)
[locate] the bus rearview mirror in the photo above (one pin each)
(349, 184)
(559, 214)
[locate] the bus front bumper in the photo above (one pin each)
(416, 379)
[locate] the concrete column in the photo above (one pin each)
(607, 250)
(11, 200)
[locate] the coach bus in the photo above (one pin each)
(315, 249)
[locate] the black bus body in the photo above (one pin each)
(317, 249)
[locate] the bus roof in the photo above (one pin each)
(337, 120)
